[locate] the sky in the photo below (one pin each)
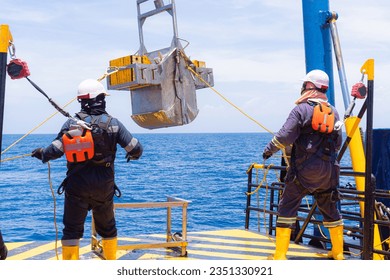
(255, 48)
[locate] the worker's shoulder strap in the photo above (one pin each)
(103, 120)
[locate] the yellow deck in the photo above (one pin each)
(209, 245)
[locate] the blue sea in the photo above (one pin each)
(205, 168)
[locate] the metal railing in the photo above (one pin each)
(308, 214)
(172, 240)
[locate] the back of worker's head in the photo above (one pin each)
(318, 78)
(91, 95)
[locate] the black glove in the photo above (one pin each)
(267, 154)
(37, 153)
(135, 153)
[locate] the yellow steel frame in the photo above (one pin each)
(357, 154)
(5, 38)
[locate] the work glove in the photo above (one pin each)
(3, 252)
(135, 153)
(37, 153)
(267, 154)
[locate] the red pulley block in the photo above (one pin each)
(359, 90)
(17, 69)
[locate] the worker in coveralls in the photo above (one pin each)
(90, 154)
(313, 166)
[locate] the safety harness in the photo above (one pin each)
(104, 152)
(91, 144)
(79, 147)
(322, 124)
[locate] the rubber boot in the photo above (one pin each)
(282, 243)
(336, 237)
(70, 252)
(109, 248)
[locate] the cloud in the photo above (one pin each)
(255, 48)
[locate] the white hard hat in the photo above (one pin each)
(319, 78)
(89, 89)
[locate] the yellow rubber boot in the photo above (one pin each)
(109, 248)
(282, 243)
(70, 252)
(336, 237)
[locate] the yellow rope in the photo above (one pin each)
(228, 101)
(31, 131)
(387, 240)
(264, 204)
(110, 70)
(28, 133)
(274, 140)
(113, 69)
(262, 181)
(54, 207)
(280, 146)
(266, 170)
(15, 157)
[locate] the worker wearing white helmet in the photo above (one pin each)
(90, 154)
(313, 165)
(89, 89)
(319, 79)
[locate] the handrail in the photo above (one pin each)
(348, 196)
(172, 240)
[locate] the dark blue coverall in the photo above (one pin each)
(90, 185)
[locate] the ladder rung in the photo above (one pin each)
(156, 11)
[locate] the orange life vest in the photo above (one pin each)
(78, 146)
(323, 118)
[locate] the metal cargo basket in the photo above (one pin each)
(163, 89)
